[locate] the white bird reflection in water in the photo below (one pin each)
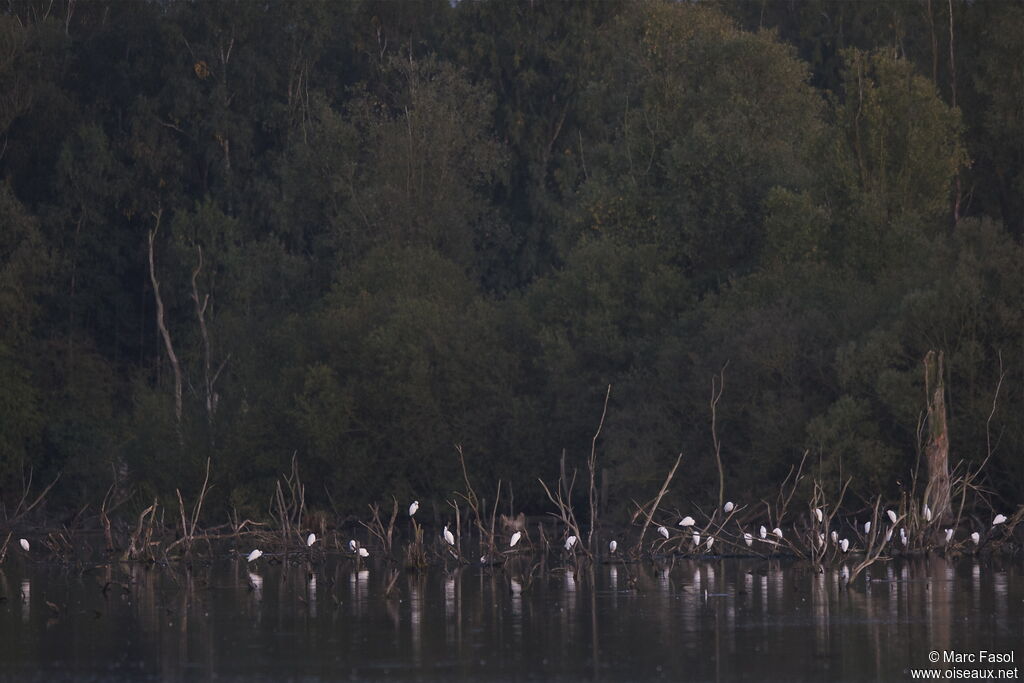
(26, 599)
(820, 607)
(416, 619)
(449, 596)
(976, 584)
(613, 577)
(1001, 594)
(571, 596)
(516, 589)
(359, 583)
(256, 585)
(311, 592)
(778, 583)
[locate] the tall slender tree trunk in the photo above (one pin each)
(937, 492)
(164, 332)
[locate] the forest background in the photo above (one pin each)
(361, 233)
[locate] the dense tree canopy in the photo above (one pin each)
(361, 233)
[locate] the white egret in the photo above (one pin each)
(844, 544)
(711, 541)
(763, 532)
(892, 516)
(515, 539)
(663, 531)
(778, 532)
(819, 514)
(748, 539)
(728, 507)
(867, 527)
(24, 544)
(310, 540)
(949, 535)
(835, 536)
(976, 537)
(888, 534)
(927, 513)
(903, 536)
(612, 545)
(687, 521)
(696, 539)
(414, 507)
(449, 537)
(353, 546)
(999, 519)
(570, 542)
(363, 552)
(254, 555)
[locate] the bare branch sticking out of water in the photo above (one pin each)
(657, 501)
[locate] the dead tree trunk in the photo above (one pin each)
(936, 451)
(175, 365)
(209, 376)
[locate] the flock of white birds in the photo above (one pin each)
(687, 523)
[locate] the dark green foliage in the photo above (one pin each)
(387, 228)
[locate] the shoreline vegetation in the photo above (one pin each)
(817, 530)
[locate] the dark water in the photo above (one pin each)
(717, 620)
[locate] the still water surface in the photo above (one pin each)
(719, 620)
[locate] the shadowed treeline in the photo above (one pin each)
(361, 233)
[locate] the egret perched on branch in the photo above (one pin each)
(414, 507)
(686, 521)
(892, 516)
(310, 540)
(927, 513)
(515, 539)
(728, 507)
(612, 545)
(976, 537)
(254, 555)
(763, 532)
(999, 519)
(696, 539)
(663, 531)
(363, 552)
(834, 536)
(818, 513)
(867, 527)
(711, 541)
(24, 544)
(778, 532)
(570, 542)
(949, 535)
(844, 544)
(449, 537)
(748, 539)
(353, 546)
